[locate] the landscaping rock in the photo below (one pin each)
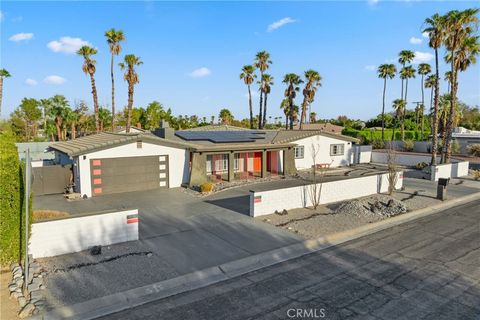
(16, 295)
(19, 282)
(35, 285)
(12, 287)
(377, 205)
(35, 268)
(13, 265)
(22, 302)
(26, 311)
(36, 295)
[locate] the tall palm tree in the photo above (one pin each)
(430, 84)
(435, 30)
(385, 71)
(292, 80)
(423, 70)
(3, 74)
(58, 108)
(285, 106)
(248, 75)
(399, 107)
(459, 27)
(129, 63)
(404, 57)
(313, 79)
(447, 77)
(267, 83)
(89, 68)
(114, 37)
(406, 73)
(262, 62)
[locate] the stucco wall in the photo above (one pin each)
(402, 158)
(52, 238)
(178, 162)
(449, 170)
(266, 202)
(323, 143)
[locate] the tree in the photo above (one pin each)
(313, 117)
(89, 68)
(434, 29)
(399, 107)
(3, 74)
(153, 114)
(58, 107)
(248, 76)
(404, 57)
(225, 116)
(430, 84)
(423, 69)
(29, 111)
(385, 71)
(130, 62)
(405, 74)
(262, 62)
(285, 106)
(292, 80)
(462, 46)
(105, 117)
(313, 79)
(267, 83)
(114, 37)
(71, 120)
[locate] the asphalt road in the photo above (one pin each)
(425, 269)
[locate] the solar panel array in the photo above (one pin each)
(221, 136)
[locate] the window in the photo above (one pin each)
(337, 149)
(299, 152)
(220, 163)
(236, 161)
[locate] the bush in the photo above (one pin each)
(455, 147)
(476, 174)
(408, 145)
(378, 144)
(207, 187)
(474, 150)
(12, 222)
(421, 165)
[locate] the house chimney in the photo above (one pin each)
(165, 131)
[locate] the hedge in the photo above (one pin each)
(367, 136)
(12, 238)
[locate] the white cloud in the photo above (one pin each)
(67, 44)
(280, 23)
(372, 2)
(414, 40)
(54, 80)
(370, 67)
(21, 37)
(425, 35)
(422, 57)
(31, 82)
(200, 72)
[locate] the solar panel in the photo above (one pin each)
(221, 136)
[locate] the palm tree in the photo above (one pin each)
(58, 108)
(430, 84)
(114, 37)
(459, 27)
(129, 63)
(285, 106)
(104, 116)
(385, 71)
(248, 75)
(262, 62)
(292, 80)
(447, 77)
(313, 82)
(399, 107)
(3, 74)
(267, 83)
(423, 69)
(404, 57)
(71, 119)
(89, 68)
(405, 74)
(313, 117)
(225, 116)
(435, 30)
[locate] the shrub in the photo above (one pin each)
(474, 150)
(455, 147)
(476, 174)
(207, 187)
(12, 239)
(408, 145)
(378, 144)
(421, 165)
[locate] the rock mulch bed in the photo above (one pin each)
(380, 205)
(31, 298)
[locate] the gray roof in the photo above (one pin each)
(217, 127)
(294, 135)
(38, 150)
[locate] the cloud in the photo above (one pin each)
(21, 37)
(200, 72)
(280, 23)
(31, 82)
(425, 35)
(54, 80)
(372, 2)
(414, 40)
(67, 45)
(370, 67)
(422, 57)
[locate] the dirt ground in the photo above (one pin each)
(8, 307)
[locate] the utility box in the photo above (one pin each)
(442, 188)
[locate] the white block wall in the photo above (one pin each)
(299, 197)
(52, 238)
(401, 158)
(362, 154)
(322, 144)
(178, 162)
(460, 169)
(449, 170)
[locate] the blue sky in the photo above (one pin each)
(193, 51)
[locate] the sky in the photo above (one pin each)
(193, 52)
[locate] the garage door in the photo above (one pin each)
(114, 175)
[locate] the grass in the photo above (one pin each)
(39, 215)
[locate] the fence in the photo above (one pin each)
(51, 179)
(52, 238)
(266, 202)
(449, 170)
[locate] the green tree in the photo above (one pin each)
(267, 87)
(292, 80)
(385, 71)
(105, 118)
(130, 62)
(89, 68)
(285, 106)
(406, 73)
(313, 82)
(58, 108)
(262, 62)
(114, 37)
(153, 115)
(404, 57)
(399, 107)
(248, 76)
(3, 74)
(71, 119)
(423, 70)
(30, 111)
(225, 116)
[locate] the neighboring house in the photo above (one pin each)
(326, 127)
(113, 162)
(465, 137)
(39, 153)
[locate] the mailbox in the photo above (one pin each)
(443, 181)
(442, 188)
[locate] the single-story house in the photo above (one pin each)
(118, 162)
(326, 126)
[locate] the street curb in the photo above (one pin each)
(120, 301)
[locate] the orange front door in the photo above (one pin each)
(257, 162)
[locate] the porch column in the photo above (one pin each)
(198, 174)
(264, 163)
(231, 172)
(289, 167)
